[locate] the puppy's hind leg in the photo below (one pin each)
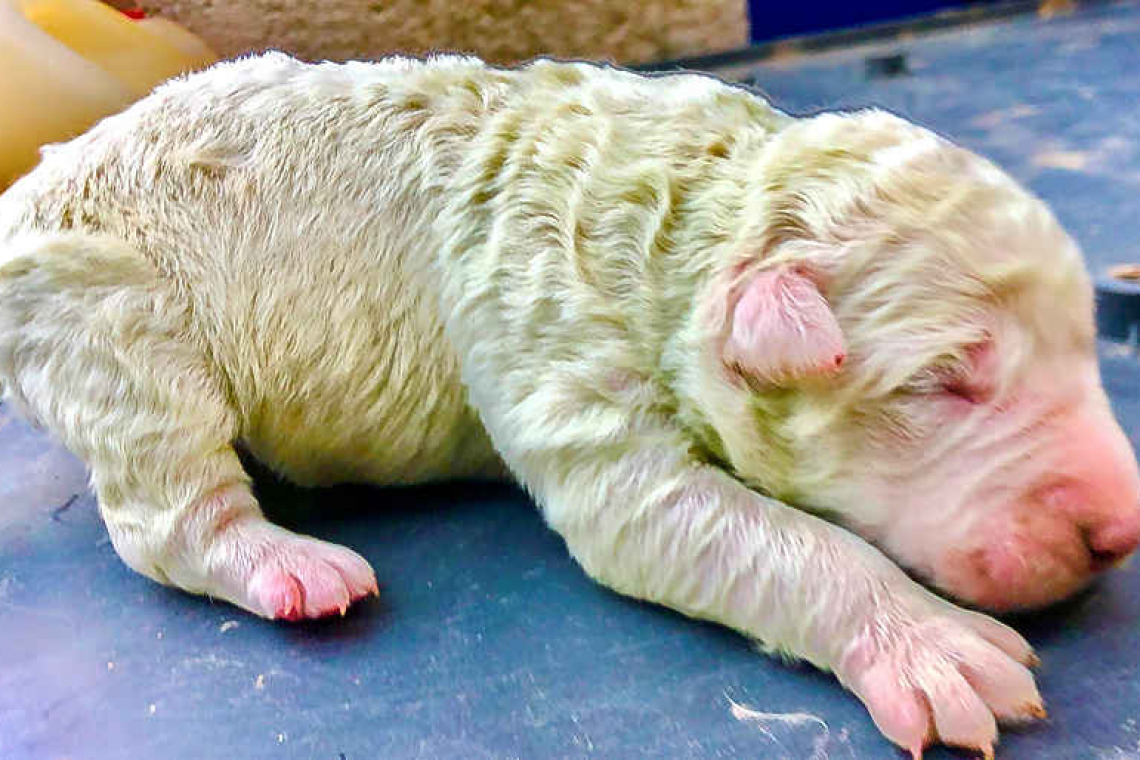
(99, 349)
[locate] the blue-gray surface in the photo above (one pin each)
(487, 640)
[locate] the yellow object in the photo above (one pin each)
(64, 64)
(103, 35)
(196, 53)
(47, 92)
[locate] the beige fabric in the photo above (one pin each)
(502, 31)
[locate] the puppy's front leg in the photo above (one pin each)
(652, 523)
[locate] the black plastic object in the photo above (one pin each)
(1118, 304)
(887, 66)
(771, 20)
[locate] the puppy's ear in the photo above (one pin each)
(781, 328)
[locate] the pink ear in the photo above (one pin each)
(782, 329)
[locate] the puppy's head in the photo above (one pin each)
(904, 341)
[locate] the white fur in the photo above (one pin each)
(406, 271)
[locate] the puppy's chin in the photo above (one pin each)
(1003, 566)
(1017, 560)
(1014, 573)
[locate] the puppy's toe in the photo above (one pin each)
(277, 594)
(899, 710)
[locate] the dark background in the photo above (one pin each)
(780, 18)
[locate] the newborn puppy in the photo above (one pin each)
(690, 325)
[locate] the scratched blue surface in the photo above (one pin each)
(487, 640)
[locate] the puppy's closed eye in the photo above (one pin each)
(969, 376)
(966, 388)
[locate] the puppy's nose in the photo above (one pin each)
(1111, 542)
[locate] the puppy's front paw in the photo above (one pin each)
(948, 676)
(304, 577)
